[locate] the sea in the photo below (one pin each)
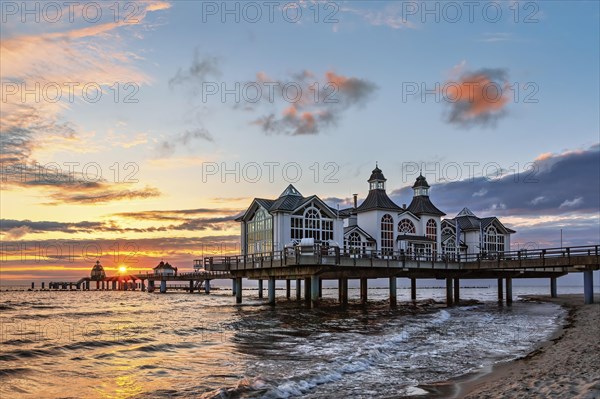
(133, 344)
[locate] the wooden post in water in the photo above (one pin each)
(344, 291)
(238, 290)
(233, 284)
(191, 286)
(307, 289)
(340, 290)
(553, 290)
(588, 287)
(207, 286)
(272, 291)
(413, 289)
(298, 289)
(260, 288)
(163, 286)
(314, 290)
(393, 292)
(448, 292)
(363, 290)
(456, 290)
(500, 293)
(320, 288)
(509, 294)
(288, 288)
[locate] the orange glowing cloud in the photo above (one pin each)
(477, 98)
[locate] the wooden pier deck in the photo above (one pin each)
(315, 264)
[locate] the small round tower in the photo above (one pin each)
(97, 272)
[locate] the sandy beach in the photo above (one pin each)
(566, 366)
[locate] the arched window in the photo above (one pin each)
(405, 226)
(431, 230)
(447, 231)
(354, 243)
(492, 240)
(387, 234)
(310, 222)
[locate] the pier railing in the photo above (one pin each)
(323, 255)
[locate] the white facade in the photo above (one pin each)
(377, 226)
(271, 225)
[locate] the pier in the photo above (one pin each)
(307, 269)
(319, 263)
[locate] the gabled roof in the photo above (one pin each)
(406, 212)
(350, 229)
(289, 201)
(467, 220)
(378, 200)
(421, 205)
(290, 190)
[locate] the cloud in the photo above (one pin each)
(68, 55)
(391, 16)
(489, 37)
(172, 220)
(572, 203)
(174, 215)
(308, 111)
(539, 191)
(100, 196)
(168, 147)
(477, 98)
(198, 72)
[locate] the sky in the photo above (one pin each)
(136, 131)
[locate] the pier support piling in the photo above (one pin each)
(260, 288)
(163, 286)
(363, 290)
(191, 286)
(207, 286)
(320, 288)
(314, 290)
(307, 289)
(288, 288)
(233, 284)
(456, 290)
(553, 290)
(500, 293)
(448, 292)
(393, 291)
(509, 295)
(238, 290)
(588, 287)
(298, 289)
(272, 291)
(344, 291)
(413, 289)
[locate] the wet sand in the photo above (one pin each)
(567, 366)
